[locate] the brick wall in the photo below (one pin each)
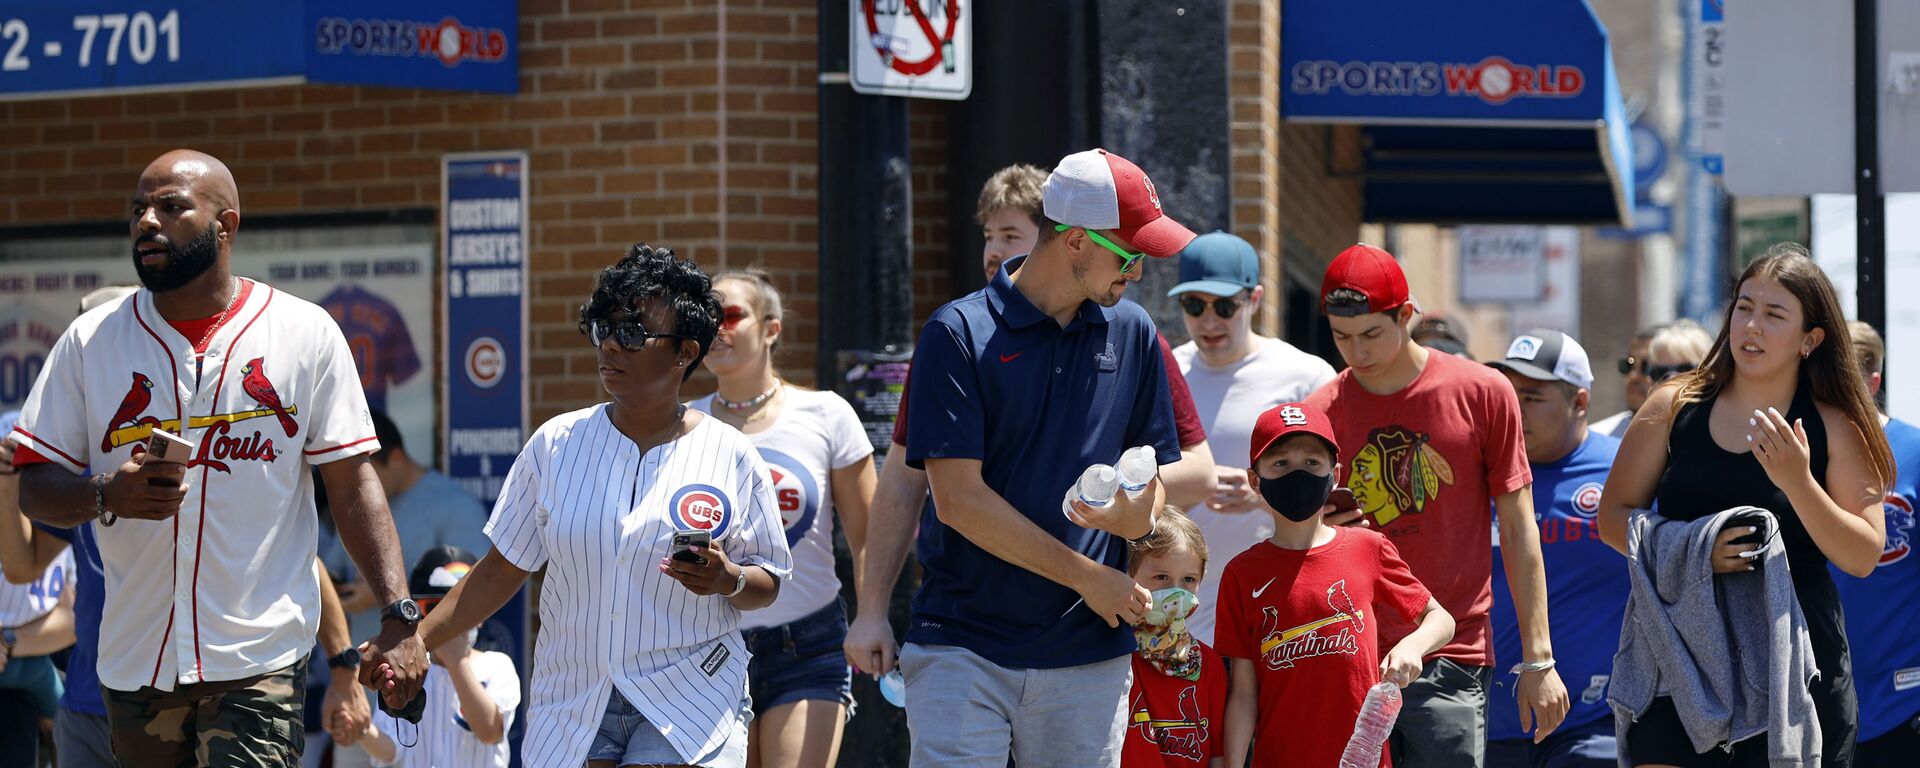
(934, 243)
(620, 110)
(1319, 210)
(1286, 201)
(1253, 45)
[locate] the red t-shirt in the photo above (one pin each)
(1425, 464)
(1310, 623)
(1173, 722)
(1186, 418)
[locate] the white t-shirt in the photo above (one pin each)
(225, 589)
(814, 434)
(599, 514)
(444, 739)
(26, 603)
(1229, 399)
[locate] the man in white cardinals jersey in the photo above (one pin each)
(211, 595)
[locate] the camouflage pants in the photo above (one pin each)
(250, 723)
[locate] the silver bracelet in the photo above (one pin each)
(1532, 666)
(100, 511)
(739, 584)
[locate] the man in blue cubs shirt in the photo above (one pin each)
(1883, 625)
(1586, 580)
(1021, 634)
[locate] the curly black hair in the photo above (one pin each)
(648, 272)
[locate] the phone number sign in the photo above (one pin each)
(61, 48)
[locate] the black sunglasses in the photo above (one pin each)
(1660, 373)
(1347, 302)
(1195, 306)
(1629, 364)
(631, 334)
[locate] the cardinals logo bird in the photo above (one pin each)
(131, 406)
(255, 382)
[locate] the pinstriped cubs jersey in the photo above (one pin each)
(445, 738)
(26, 603)
(598, 513)
(225, 589)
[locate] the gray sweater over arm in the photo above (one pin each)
(1731, 650)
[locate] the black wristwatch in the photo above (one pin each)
(403, 609)
(347, 659)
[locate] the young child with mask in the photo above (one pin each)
(1299, 614)
(1176, 709)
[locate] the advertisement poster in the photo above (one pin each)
(381, 295)
(483, 224)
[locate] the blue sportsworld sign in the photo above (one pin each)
(1504, 60)
(61, 48)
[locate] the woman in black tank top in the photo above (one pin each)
(1777, 418)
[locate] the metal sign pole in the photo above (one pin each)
(1870, 204)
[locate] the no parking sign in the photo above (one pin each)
(916, 48)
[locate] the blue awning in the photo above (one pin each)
(1490, 111)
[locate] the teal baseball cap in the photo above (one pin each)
(1217, 264)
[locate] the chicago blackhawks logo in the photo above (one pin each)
(218, 443)
(1396, 473)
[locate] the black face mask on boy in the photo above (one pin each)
(1297, 495)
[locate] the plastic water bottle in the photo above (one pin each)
(1371, 728)
(893, 688)
(1137, 468)
(1097, 485)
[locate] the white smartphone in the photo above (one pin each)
(166, 446)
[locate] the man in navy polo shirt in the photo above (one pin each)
(1021, 630)
(1586, 580)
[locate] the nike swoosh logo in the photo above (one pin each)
(1009, 358)
(1263, 587)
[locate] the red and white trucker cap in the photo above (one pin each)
(1097, 189)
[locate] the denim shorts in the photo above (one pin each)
(626, 738)
(803, 660)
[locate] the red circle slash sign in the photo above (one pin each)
(939, 41)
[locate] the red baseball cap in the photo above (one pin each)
(1097, 189)
(1288, 419)
(1369, 271)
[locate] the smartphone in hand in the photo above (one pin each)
(683, 543)
(166, 446)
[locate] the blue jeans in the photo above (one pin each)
(802, 660)
(627, 738)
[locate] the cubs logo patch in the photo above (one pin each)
(1900, 523)
(795, 491)
(700, 507)
(1586, 499)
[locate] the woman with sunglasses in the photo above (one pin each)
(822, 464)
(1677, 348)
(657, 526)
(1778, 418)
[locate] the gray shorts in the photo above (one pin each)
(1443, 723)
(83, 740)
(963, 710)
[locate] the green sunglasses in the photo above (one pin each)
(1127, 260)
